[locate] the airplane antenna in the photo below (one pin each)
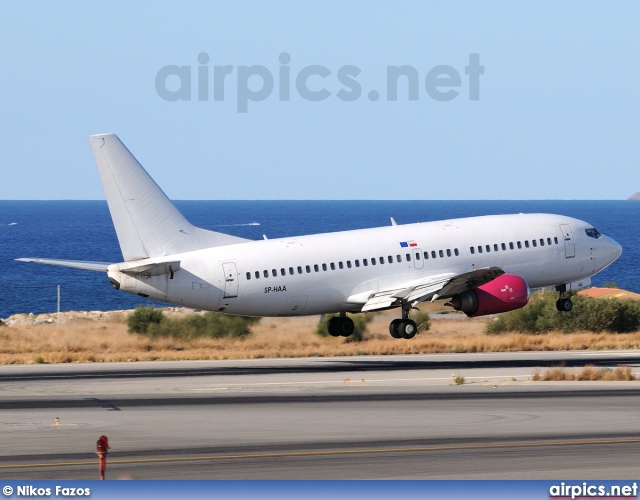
(265, 236)
(393, 222)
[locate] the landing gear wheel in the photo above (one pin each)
(564, 305)
(394, 330)
(333, 326)
(407, 329)
(340, 326)
(346, 327)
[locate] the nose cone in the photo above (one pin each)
(613, 248)
(616, 249)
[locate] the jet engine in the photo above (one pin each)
(505, 293)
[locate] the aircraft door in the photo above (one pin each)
(418, 262)
(569, 241)
(230, 280)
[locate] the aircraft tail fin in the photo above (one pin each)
(146, 222)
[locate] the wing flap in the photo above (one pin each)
(433, 287)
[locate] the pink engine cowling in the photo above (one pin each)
(505, 293)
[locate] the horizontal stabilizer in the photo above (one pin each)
(76, 264)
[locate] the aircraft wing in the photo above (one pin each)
(432, 288)
(76, 264)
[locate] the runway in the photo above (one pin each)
(386, 417)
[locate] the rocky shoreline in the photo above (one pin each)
(64, 317)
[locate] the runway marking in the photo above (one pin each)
(333, 453)
(341, 382)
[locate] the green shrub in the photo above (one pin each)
(422, 320)
(211, 325)
(359, 322)
(593, 315)
(140, 319)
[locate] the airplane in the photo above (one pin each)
(482, 265)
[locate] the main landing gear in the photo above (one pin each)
(340, 326)
(404, 328)
(563, 304)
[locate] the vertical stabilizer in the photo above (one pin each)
(146, 222)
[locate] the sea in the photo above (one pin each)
(82, 230)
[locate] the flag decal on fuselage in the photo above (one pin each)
(406, 244)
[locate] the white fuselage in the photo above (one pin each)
(334, 272)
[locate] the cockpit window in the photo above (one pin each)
(593, 233)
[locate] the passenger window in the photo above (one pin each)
(381, 260)
(333, 266)
(324, 267)
(488, 247)
(283, 272)
(417, 255)
(426, 255)
(504, 246)
(511, 245)
(299, 269)
(307, 268)
(526, 243)
(495, 247)
(357, 262)
(441, 253)
(389, 259)
(291, 271)
(373, 261)
(399, 258)
(349, 264)
(549, 241)
(479, 249)
(340, 265)
(534, 243)
(433, 254)
(274, 273)
(265, 273)
(365, 262)
(555, 240)
(541, 242)
(316, 268)
(473, 250)
(519, 245)
(248, 276)
(257, 274)
(455, 252)
(408, 256)
(448, 252)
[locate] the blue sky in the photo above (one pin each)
(556, 116)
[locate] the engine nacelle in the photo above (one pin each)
(505, 293)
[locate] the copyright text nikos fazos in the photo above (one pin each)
(58, 491)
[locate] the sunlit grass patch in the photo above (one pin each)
(588, 373)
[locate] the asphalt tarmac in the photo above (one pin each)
(374, 417)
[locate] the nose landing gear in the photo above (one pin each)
(563, 304)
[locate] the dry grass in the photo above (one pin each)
(589, 372)
(83, 340)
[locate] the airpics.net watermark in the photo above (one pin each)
(257, 82)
